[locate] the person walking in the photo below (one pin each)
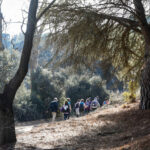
(94, 104)
(77, 106)
(87, 106)
(54, 108)
(66, 110)
(82, 107)
(69, 103)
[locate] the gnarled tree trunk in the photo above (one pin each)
(7, 127)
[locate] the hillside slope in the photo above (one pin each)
(117, 128)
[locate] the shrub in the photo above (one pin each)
(130, 95)
(8, 66)
(45, 86)
(84, 86)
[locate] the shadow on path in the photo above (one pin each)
(128, 129)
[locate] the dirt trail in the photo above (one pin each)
(114, 128)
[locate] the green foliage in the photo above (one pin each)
(33, 98)
(31, 104)
(8, 66)
(61, 84)
(24, 110)
(45, 86)
(130, 95)
(87, 33)
(83, 86)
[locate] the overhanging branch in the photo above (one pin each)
(128, 23)
(45, 10)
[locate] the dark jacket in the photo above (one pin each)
(54, 106)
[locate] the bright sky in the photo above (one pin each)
(11, 10)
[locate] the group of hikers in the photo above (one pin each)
(66, 108)
(81, 107)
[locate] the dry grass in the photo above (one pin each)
(115, 128)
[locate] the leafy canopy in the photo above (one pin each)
(87, 32)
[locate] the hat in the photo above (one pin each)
(68, 99)
(55, 99)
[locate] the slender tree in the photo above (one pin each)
(7, 127)
(113, 32)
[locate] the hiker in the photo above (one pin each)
(82, 107)
(69, 103)
(106, 101)
(87, 106)
(77, 106)
(94, 104)
(54, 108)
(66, 110)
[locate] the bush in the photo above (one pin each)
(24, 110)
(84, 86)
(8, 66)
(130, 95)
(45, 86)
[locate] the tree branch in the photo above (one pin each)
(140, 12)
(45, 10)
(123, 21)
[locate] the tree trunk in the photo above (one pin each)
(145, 72)
(7, 125)
(145, 86)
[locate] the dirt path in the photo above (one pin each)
(114, 128)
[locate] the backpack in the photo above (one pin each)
(81, 106)
(52, 106)
(87, 105)
(77, 105)
(65, 109)
(94, 104)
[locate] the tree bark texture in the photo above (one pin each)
(7, 127)
(145, 72)
(145, 87)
